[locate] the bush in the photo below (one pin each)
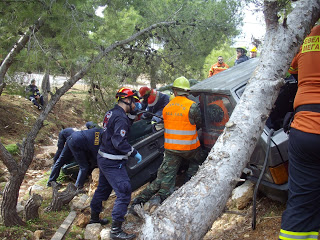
(13, 149)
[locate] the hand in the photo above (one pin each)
(138, 157)
(153, 122)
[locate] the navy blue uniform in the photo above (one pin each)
(241, 59)
(63, 135)
(33, 91)
(157, 106)
(112, 157)
(83, 146)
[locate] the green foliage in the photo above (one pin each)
(13, 149)
(14, 88)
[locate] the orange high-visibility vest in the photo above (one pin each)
(179, 133)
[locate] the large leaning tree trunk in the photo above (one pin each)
(190, 211)
(17, 170)
(21, 43)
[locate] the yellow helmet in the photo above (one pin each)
(181, 83)
(254, 49)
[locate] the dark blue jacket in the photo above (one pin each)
(158, 105)
(63, 135)
(88, 141)
(32, 90)
(241, 59)
(114, 142)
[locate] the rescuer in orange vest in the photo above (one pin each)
(182, 118)
(218, 67)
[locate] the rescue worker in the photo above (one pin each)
(253, 52)
(154, 102)
(241, 55)
(182, 118)
(64, 134)
(218, 67)
(83, 147)
(33, 94)
(112, 158)
(301, 219)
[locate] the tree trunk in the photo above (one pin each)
(32, 207)
(6, 63)
(9, 202)
(45, 88)
(190, 211)
(61, 198)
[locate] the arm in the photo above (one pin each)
(195, 115)
(119, 138)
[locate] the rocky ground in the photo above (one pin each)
(234, 224)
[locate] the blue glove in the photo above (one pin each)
(138, 157)
(138, 106)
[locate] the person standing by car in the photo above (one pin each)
(182, 118)
(154, 102)
(241, 55)
(301, 219)
(218, 67)
(112, 158)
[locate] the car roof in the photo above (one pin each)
(227, 80)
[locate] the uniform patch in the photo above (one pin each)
(123, 133)
(106, 119)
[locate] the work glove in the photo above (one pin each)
(138, 106)
(138, 157)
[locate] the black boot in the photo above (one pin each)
(96, 219)
(117, 233)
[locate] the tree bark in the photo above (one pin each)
(45, 88)
(32, 207)
(6, 63)
(10, 195)
(190, 211)
(61, 198)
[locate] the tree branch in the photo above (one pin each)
(270, 11)
(6, 63)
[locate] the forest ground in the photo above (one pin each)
(17, 116)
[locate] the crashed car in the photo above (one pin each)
(218, 96)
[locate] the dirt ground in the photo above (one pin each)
(18, 115)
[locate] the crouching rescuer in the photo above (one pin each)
(112, 158)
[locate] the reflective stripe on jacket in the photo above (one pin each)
(179, 133)
(288, 235)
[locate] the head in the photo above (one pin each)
(253, 52)
(241, 51)
(144, 93)
(181, 86)
(220, 59)
(127, 99)
(33, 82)
(91, 124)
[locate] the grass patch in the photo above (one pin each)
(74, 231)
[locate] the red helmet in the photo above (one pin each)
(144, 90)
(152, 97)
(127, 92)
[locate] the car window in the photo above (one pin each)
(216, 110)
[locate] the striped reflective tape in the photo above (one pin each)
(180, 132)
(288, 235)
(181, 142)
